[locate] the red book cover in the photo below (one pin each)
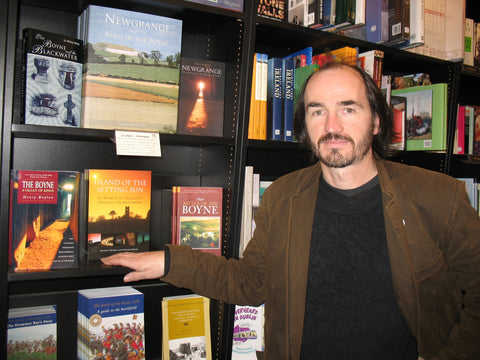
(43, 217)
(198, 218)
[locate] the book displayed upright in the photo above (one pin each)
(32, 333)
(118, 211)
(201, 98)
(426, 116)
(197, 218)
(275, 10)
(399, 109)
(44, 212)
(274, 99)
(248, 329)
(111, 324)
(288, 96)
(132, 69)
(186, 327)
(53, 78)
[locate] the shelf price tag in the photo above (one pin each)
(135, 143)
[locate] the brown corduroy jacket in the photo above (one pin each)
(433, 237)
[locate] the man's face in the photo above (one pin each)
(339, 121)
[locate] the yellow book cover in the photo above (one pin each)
(186, 327)
(251, 118)
(118, 211)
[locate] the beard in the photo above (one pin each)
(337, 158)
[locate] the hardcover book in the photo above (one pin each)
(376, 21)
(426, 116)
(44, 209)
(111, 324)
(274, 99)
(275, 10)
(32, 333)
(398, 22)
(288, 96)
(186, 327)
(197, 220)
(132, 69)
(201, 99)
(53, 79)
(118, 211)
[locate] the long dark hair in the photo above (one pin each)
(381, 142)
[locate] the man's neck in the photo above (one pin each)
(352, 176)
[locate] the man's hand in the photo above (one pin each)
(147, 265)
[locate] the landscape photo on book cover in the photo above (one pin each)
(419, 115)
(44, 208)
(118, 212)
(132, 68)
(201, 98)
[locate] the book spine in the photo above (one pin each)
(288, 82)
(460, 136)
(263, 98)
(469, 42)
(251, 118)
(274, 98)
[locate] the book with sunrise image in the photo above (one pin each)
(118, 211)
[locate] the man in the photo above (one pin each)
(353, 259)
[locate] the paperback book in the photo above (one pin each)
(275, 10)
(118, 211)
(197, 218)
(44, 210)
(426, 116)
(186, 327)
(399, 109)
(111, 324)
(32, 333)
(53, 78)
(201, 99)
(132, 69)
(248, 329)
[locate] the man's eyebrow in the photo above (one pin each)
(349, 102)
(314, 104)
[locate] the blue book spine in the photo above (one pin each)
(288, 81)
(376, 20)
(308, 52)
(327, 12)
(274, 99)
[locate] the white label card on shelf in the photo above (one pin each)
(134, 143)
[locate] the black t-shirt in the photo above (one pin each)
(351, 312)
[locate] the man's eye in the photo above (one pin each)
(348, 110)
(318, 113)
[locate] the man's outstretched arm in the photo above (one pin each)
(147, 265)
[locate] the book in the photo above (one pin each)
(399, 108)
(118, 211)
(386, 87)
(110, 323)
(417, 24)
(426, 116)
(346, 55)
(198, 218)
(476, 57)
(235, 5)
(186, 327)
(53, 78)
(297, 12)
(262, 126)
(476, 130)
(131, 71)
(360, 12)
(444, 30)
(469, 128)
(459, 137)
(345, 12)
(398, 22)
(471, 186)
(201, 97)
(302, 57)
(469, 50)
(253, 100)
(43, 221)
(32, 333)
(247, 205)
(315, 16)
(376, 21)
(288, 88)
(274, 99)
(372, 63)
(248, 332)
(301, 75)
(275, 10)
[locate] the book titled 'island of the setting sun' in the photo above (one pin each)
(118, 211)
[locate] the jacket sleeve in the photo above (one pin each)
(236, 281)
(463, 256)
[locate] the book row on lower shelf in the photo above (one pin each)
(60, 217)
(467, 130)
(419, 107)
(107, 78)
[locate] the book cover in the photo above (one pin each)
(297, 12)
(459, 143)
(262, 132)
(186, 327)
(44, 209)
(274, 99)
(372, 63)
(345, 12)
(476, 130)
(235, 5)
(255, 119)
(118, 211)
(275, 10)
(32, 333)
(398, 15)
(288, 88)
(248, 329)
(201, 98)
(301, 75)
(53, 79)
(426, 116)
(376, 21)
(132, 69)
(253, 95)
(198, 218)
(315, 13)
(399, 108)
(247, 205)
(417, 24)
(360, 9)
(444, 30)
(469, 128)
(297, 55)
(111, 324)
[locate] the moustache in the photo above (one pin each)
(334, 137)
